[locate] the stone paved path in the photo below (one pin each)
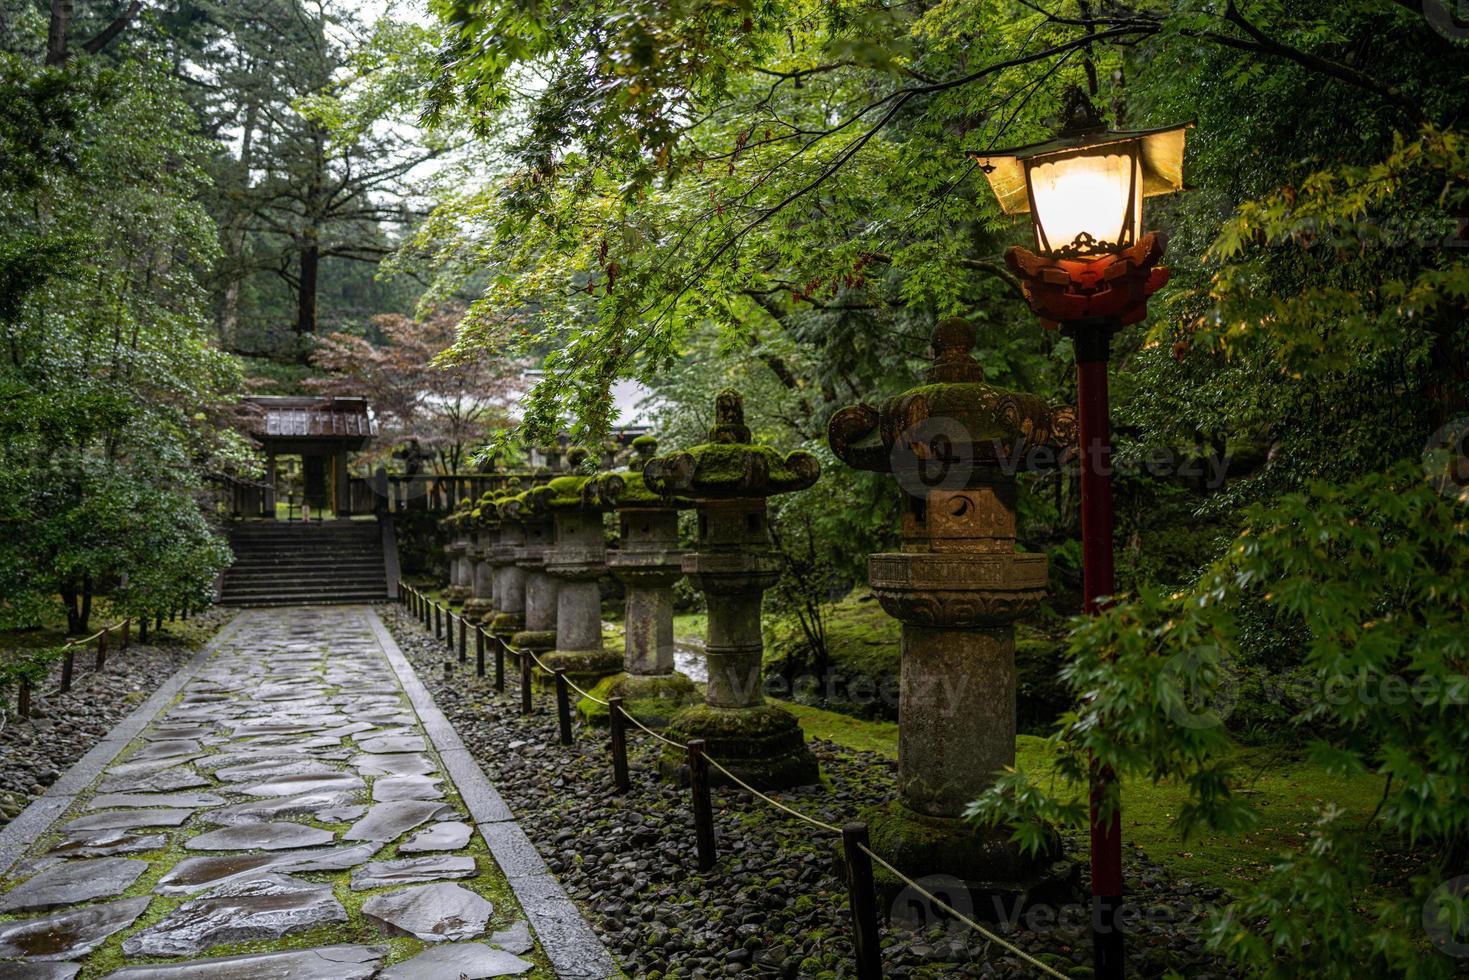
(299, 810)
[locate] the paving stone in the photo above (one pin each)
(433, 913)
(388, 821)
(352, 729)
(268, 906)
(515, 939)
(341, 814)
(127, 820)
(466, 961)
(73, 882)
(164, 780)
(274, 769)
(161, 733)
(194, 874)
(322, 963)
(39, 971)
(389, 789)
(304, 804)
(293, 785)
(410, 764)
(409, 871)
(107, 801)
(70, 934)
(260, 836)
(447, 836)
(151, 765)
(103, 843)
(393, 744)
(169, 748)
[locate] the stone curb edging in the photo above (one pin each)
(35, 819)
(566, 937)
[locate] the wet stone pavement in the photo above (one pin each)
(285, 816)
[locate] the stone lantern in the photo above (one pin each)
(455, 551)
(648, 562)
(484, 519)
(508, 617)
(576, 559)
(728, 479)
(957, 586)
(538, 626)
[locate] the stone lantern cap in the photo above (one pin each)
(955, 418)
(485, 514)
(627, 490)
(729, 466)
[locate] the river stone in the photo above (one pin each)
(339, 782)
(73, 882)
(265, 907)
(386, 745)
(260, 836)
(409, 764)
(70, 934)
(467, 961)
(127, 820)
(433, 913)
(106, 801)
(104, 843)
(168, 748)
(408, 871)
(164, 780)
(323, 963)
(390, 789)
(515, 939)
(388, 821)
(447, 836)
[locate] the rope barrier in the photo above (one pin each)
(569, 683)
(940, 903)
(829, 828)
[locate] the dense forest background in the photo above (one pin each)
(199, 199)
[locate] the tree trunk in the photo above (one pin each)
(59, 30)
(306, 295)
(234, 238)
(73, 614)
(85, 616)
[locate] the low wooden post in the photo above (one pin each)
(127, 630)
(703, 808)
(862, 896)
(68, 667)
(101, 649)
(479, 651)
(525, 682)
(617, 727)
(438, 621)
(462, 628)
(23, 700)
(449, 629)
(563, 706)
(499, 666)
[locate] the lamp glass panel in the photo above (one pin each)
(1084, 194)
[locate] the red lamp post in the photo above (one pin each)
(1092, 275)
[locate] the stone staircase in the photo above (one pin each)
(289, 564)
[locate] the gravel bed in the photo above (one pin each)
(64, 727)
(773, 906)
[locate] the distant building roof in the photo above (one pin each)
(285, 418)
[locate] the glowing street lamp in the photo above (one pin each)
(1096, 269)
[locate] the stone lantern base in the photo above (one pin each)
(478, 611)
(506, 624)
(1001, 881)
(455, 594)
(762, 744)
(584, 668)
(652, 699)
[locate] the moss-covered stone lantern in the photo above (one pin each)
(648, 562)
(508, 617)
(456, 551)
(576, 559)
(484, 524)
(728, 479)
(957, 586)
